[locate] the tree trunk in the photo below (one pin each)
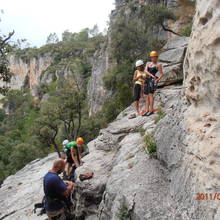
(169, 30)
(56, 148)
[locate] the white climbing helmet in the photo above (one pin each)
(65, 142)
(139, 63)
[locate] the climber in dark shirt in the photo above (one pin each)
(152, 68)
(55, 190)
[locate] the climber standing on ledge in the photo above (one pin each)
(56, 190)
(138, 79)
(150, 85)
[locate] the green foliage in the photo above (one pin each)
(160, 114)
(186, 31)
(17, 145)
(5, 74)
(157, 14)
(141, 131)
(52, 38)
(150, 146)
(109, 110)
(124, 213)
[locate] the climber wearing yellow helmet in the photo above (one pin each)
(75, 150)
(152, 69)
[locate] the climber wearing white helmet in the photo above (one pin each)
(65, 142)
(138, 79)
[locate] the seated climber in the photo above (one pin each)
(150, 85)
(56, 190)
(138, 79)
(75, 150)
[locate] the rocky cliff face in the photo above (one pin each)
(28, 74)
(97, 93)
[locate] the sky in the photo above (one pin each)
(34, 20)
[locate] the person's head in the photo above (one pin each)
(140, 65)
(58, 166)
(79, 141)
(154, 56)
(65, 142)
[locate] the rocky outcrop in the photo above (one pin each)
(21, 191)
(202, 63)
(126, 178)
(172, 60)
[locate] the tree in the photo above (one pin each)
(47, 126)
(5, 74)
(94, 31)
(67, 35)
(63, 110)
(158, 14)
(22, 43)
(52, 38)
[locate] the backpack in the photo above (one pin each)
(40, 206)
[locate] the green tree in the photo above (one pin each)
(158, 14)
(63, 110)
(5, 74)
(52, 38)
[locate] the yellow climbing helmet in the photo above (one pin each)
(79, 140)
(153, 54)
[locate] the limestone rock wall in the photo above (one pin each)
(28, 74)
(96, 91)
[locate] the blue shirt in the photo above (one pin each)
(54, 187)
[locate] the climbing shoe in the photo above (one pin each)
(145, 113)
(149, 113)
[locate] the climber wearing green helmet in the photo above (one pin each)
(150, 85)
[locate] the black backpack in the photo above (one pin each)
(40, 206)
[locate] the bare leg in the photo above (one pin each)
(68, 169)
(147, 103)
(137, 107)
(151, 102)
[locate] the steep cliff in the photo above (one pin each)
(28, 74)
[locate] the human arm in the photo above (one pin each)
(74, 157)
(160, 69)
(70, 187)
(135, 77)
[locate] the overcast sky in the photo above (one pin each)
(36, 19)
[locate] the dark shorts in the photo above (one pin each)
(137, 92)
(69, 158)
(149, 86)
